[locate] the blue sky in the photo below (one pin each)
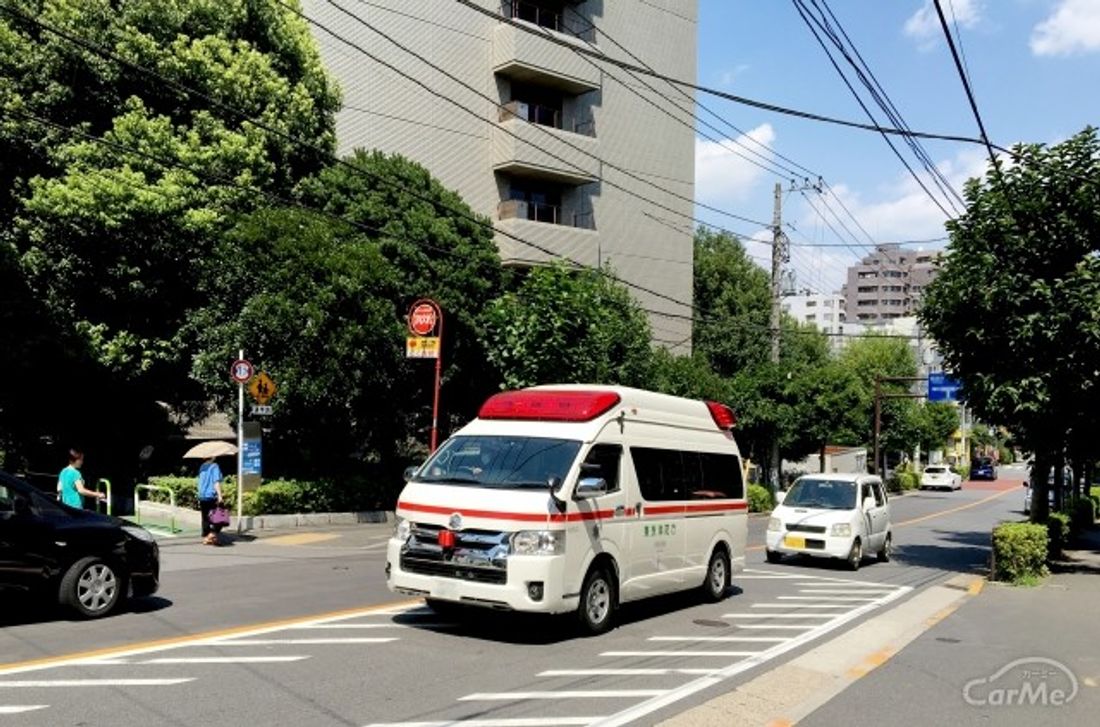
(1034, 64)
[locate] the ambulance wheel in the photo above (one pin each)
(717, 583)
(597, 601)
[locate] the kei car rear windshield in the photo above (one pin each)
(500, 461)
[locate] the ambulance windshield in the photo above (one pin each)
(500, 462)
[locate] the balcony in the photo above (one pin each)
(527, 150)
(549, 116)
(523, 56)
(548, 227)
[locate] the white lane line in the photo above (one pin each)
(565, 694)
(764, 578)
(294, 642)
(21, 708)
(339, 627)
(622, 672)
(224, 660)
(648, 707)
(50, 683)
(845, 599)
(779, 615)
(858, 584)
(513, 722)
(660, 652)
(774, 627)
(849, 591)
(720, 639)
(801, 605)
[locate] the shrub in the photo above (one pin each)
(1083, 515)
(186, 490)
(1058, 533)
(903, 480)
(279, 496)
(760, 498)
(1019, 552)
(963, 470)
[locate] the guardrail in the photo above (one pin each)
(155, 488)
(104, 485)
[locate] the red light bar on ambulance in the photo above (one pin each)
(723, 416)
(549, 405)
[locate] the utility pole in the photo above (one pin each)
(778, 239)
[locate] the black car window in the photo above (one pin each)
(603, 461)
(6, 501)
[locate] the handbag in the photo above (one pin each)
(219, 516)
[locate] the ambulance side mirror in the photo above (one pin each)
(410, 472)
(590, 487)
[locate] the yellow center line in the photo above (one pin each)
(162, 644)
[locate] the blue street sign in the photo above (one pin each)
(250, 461)
(942, 387)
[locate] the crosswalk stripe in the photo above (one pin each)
(622, 672)
(224, 660)
(507, 722)
(778, 615)
(720, 639)
(827, 598)
(21, 708)
(565, 694)
(291, 642)
(801, 605)
(659, 652)
(49, 683)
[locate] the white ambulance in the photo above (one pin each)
(574, 499)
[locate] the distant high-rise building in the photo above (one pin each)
(888, 283)
(569, 156)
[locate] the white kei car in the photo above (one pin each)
(940, 477)
(842, 516)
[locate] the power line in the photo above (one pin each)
(745, 101)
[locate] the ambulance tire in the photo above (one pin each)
(717, 582)
(597, 607)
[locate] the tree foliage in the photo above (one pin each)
(564, 326)
(1016, 306)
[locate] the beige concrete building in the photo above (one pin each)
(888, 283)
(563, 150)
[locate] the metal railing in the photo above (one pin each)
(518, 209)
(104, 485)
(155, 488)
(547, 116)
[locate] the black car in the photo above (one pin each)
(86, 561)
(983, 469)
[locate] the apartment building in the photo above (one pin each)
(888, 283)
(569, 154)
(823, 310)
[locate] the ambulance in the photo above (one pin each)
(574, 499)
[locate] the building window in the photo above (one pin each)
(811, 304)
(827, 317)
(811, 318)
(866, 303)
(535, 202)
(828, 304)
(867, 289)
(863, 275)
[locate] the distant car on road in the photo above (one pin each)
(84, 560)
(843, 516)
(940, 477)
(983, 469)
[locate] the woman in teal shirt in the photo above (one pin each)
(70, 483)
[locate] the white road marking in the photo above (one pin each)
(621, 672)
(778, 615)
(295, 642)
(514, 722)
(50, 683)
(849, 591)
(720, 639)
(659, 652)
(565, 694)
(21, 708)
(338, 627)
(827, 598)
(695, 686)
(802, 605)
(864, 584)
(223, 660)
(774, 627)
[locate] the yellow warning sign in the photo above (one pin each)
(422, 347)
(262, 388)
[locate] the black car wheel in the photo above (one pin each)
(92, 587)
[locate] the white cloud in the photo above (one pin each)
(924, 25)
(721, 176)
(728, 77)
(1073, 27)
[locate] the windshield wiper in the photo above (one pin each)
(451, 480)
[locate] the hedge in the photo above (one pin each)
(1057, 532)
(278, 497)
(903, 480)
(1019, 552)
(760, 498)
(1083, 515)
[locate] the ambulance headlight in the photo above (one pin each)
(538, 542)
(401, 529)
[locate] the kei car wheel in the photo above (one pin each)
(887, 548)
(773, 556)
(855, 556)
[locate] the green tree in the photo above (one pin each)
(1014, 308)
(827, 409)
(111, 238)
(566, 326)
(939, 420)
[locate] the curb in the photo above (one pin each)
(793, 690)
(249, 523)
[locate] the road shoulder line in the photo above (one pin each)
(792, 691)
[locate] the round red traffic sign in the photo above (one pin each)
(422, 318)
(241, 371)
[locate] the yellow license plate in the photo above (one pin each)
(792, 542)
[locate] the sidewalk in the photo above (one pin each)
(1009, 656)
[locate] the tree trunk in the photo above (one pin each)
(1059, 480)
(821, 458)
(1040, 470)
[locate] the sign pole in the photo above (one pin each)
(240, 450)
(438, 382)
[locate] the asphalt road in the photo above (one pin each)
(389, 661)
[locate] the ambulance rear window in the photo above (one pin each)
(672, 474)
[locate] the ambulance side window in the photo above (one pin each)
(721, 477)
(603, 461)
(660, 473)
